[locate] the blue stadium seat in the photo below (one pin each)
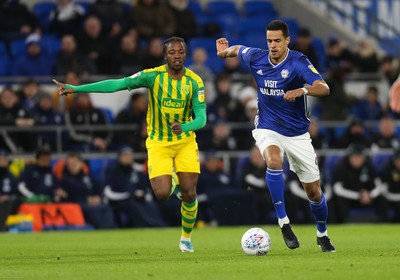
(196, 8)
(207, 43)
(329, 166)
(293, 27)
(42, 12)
(51, 44)
(217, 8)
(379, 161)
(108, 114)
(319, 47)
(215, 63)
(256, 40)
(246, 26)
(3, 49)
(5, 66)
(17, 48)
(97, 167)
(259, 8)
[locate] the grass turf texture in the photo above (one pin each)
(363, 252)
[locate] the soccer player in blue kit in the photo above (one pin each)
(284, 79)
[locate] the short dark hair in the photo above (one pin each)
(174, 39)
(278, 25)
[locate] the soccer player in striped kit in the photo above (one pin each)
(174, 94)
(281, 125)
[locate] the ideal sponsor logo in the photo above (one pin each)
(173, 103)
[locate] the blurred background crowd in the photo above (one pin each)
(75, 149)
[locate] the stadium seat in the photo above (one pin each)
(319, 47)
(218, 8)
(97, 167)
(329, 166)
(293, 27)
(5, 66)
(200, 42)
(17, 48)
(259, 8)
(42, 12)
(247, 26)
(51, 44)
(3, 49)
(379, 161)
(215, 63)
(108, 114)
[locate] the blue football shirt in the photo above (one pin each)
(273, 81)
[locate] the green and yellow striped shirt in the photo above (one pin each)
(169, 100)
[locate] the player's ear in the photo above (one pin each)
(288, 40)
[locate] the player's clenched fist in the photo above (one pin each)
(221, 44)
(61, 88)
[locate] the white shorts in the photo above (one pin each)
(298, 149)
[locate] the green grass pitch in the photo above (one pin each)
(363, 252)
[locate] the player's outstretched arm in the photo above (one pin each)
(102, 86)
(223, 49)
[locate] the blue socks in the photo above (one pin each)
(320, 212)
(276, 188)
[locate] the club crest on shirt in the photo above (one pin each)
(185, 89)
(312, 68)
(285, 73)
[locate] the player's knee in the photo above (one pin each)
(314, 195)
(189, 195)
(161, 194)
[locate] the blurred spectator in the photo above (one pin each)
(252, 178)
(369, 108)
(46, 115)
(128, 191)
(134, 114)
(303, 44)
(199, 58)
(386, 137)
(155, 55)
(15, 17)
(93, 44)
(37, 183)
(229, 108)
(29, 93)
(128, 59)
(67, 18)
(319, 140)
(114, 16)
(355, 185)
(35, 61)
(391, 181)
(220, 140)
(9, 201)
(64, 103)
(335, 106)
(186, 25)
(232, 67)
(84, 115)
(71, 59)
(214, 183)
(356, 133)
(366, 58)
(77, 185)
(13, 114)
(153, 18)
(339, 57)
(390, 69)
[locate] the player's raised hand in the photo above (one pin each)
(61, 88)
(394, 96)
(221, 44)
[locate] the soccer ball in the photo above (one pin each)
(256, 242)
